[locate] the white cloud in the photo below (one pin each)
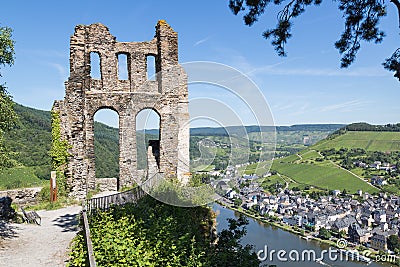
(360, 72)
(280, 107)
(346, 106)
(301, 110)
(242, 63)
(45, 53)
(202, 41)
(62, 71)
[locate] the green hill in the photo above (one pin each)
(329, 164)
(367, 140)
(106, 142)
(30, 142)
(310, 169)
(363, 126)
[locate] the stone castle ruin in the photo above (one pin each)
(167, 95)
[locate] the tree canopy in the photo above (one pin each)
(362, 19)
(6, 47)
(8, 117)
(393, 242)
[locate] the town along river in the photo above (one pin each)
(260, 235)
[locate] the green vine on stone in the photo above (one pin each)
(59, 151)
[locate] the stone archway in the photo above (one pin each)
(106, 149)
(168, 95)
(148, 122)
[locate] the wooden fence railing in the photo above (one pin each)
(102, 204)
(106, 202)
(86, 230)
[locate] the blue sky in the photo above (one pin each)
(307, 86)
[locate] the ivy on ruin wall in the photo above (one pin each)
(59, 152)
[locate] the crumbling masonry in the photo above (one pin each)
(167, 95)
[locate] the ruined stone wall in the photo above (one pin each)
(106, 184)
(167, 95)
(22, 195)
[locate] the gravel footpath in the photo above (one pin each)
(45, 245)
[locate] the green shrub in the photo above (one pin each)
(43, 172)
(44, 194)
(151, 233)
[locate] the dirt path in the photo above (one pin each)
(45, 245)
(286, 182)
(300, 158)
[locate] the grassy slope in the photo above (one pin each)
(29, 143)
(259, 169)
(305, 169)
(20, 177)
(325, 174)
(324, 177)
(370, 141)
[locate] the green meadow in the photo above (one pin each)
(370, 141)
(322, 176)
(20, 177)
(309, 168)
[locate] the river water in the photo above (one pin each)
(260, 235)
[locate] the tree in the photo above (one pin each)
(237, 202)
(342, 234)
(393, 242)
(229, 251)
(324, 233)
(344, 192)
(362, 18)
(8, 117)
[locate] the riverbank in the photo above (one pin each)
(372, 254)
(278, 225)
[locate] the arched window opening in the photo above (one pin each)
(106, 143)
(95, 71)
(147, 134)
(123, 71)
(151, 67)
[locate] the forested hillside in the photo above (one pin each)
(106, 142)
(30, 141)
(366, 127)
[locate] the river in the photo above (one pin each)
(260, 235)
